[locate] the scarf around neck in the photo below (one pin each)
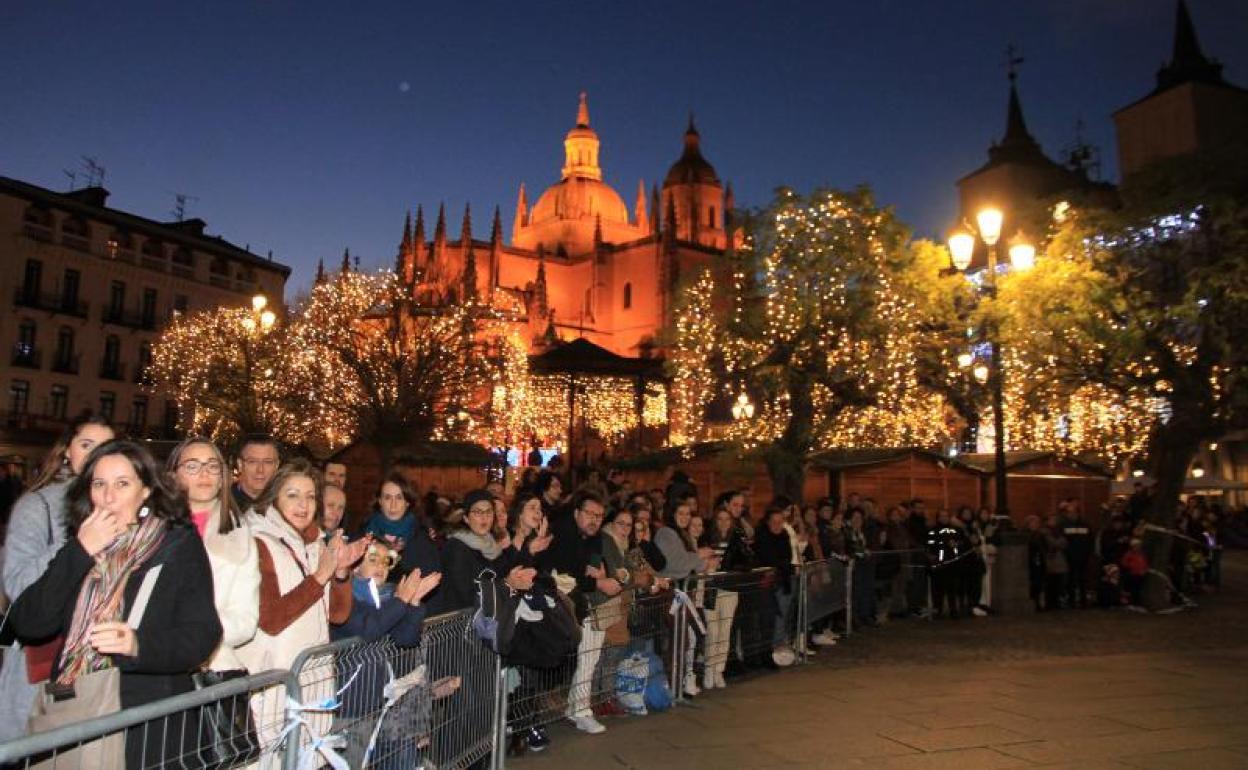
(102, 594)
(486, 545)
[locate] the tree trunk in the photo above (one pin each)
(786, 458)
(1173, 446)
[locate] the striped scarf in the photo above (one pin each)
(101, 596)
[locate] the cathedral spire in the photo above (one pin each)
(465, 232)
(439, 230)
(540, 299)
(418, 239)
(639, 208)
(346, 261)
(320, 271)
(403, 263)
(496, 229)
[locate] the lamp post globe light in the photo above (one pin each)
(742, 408)
(989, 221)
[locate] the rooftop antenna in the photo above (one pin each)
(179, 205)
(1082, 156)
(95, 172)
(73, 178)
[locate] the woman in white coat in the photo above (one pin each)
(199, 469)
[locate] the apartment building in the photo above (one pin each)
(88, 289)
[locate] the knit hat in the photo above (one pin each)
(477, 496)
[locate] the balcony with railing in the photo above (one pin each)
(131, 319)
(115, 250)
(37, 232)
(66, 363)
(51, 301)
(26, 356)
(112, 370)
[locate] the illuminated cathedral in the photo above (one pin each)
(580, 264)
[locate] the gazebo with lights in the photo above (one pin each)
(581, 390)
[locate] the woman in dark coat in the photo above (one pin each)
(128, 530)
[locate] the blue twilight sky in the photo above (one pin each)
(305, 126)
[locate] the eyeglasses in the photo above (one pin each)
(475, 511)
(195, 467)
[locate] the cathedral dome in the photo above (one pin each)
(692, 168)
(578, 197)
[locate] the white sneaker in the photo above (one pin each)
(691, 685)
(719, 680)
(824, 639)
(708, 680)
(979, 612)
(587, 724)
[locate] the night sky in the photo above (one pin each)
(306, 127)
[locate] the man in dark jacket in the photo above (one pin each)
(772, 548)
(1079, 547)
(576, 551)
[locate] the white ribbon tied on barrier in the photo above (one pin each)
(320, 748)
(681, 599)
(394, 690)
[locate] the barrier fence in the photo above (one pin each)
(451, 702)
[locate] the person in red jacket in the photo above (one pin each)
(1134, 568)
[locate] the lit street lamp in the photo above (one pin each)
(1022, 257)
(743, 408)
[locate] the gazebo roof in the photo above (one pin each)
(580, 356)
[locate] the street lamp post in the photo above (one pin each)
(1022, 255)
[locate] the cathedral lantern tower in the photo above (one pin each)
(693, 191)
(564, 218)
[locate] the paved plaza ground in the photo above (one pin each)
(1080, 689)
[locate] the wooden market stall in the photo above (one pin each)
(1038, 481)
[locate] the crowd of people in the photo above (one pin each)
(145, 580)
(1072, 564)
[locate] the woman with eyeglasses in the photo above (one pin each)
(199, 470)
(472, 549)
(36, 532)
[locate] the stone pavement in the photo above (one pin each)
(1082, 689)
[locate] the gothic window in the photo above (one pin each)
(628, 296)
(710, 217)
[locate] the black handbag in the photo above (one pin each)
(227, 732)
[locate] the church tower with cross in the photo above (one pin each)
(1019, 178)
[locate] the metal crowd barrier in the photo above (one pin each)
(208, 728)
(398, 707)
(451, 702)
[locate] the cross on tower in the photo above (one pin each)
(1012, 60)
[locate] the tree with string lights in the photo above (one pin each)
(230, 373)
(389, 370)
(1142, 312)
(825, 332)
